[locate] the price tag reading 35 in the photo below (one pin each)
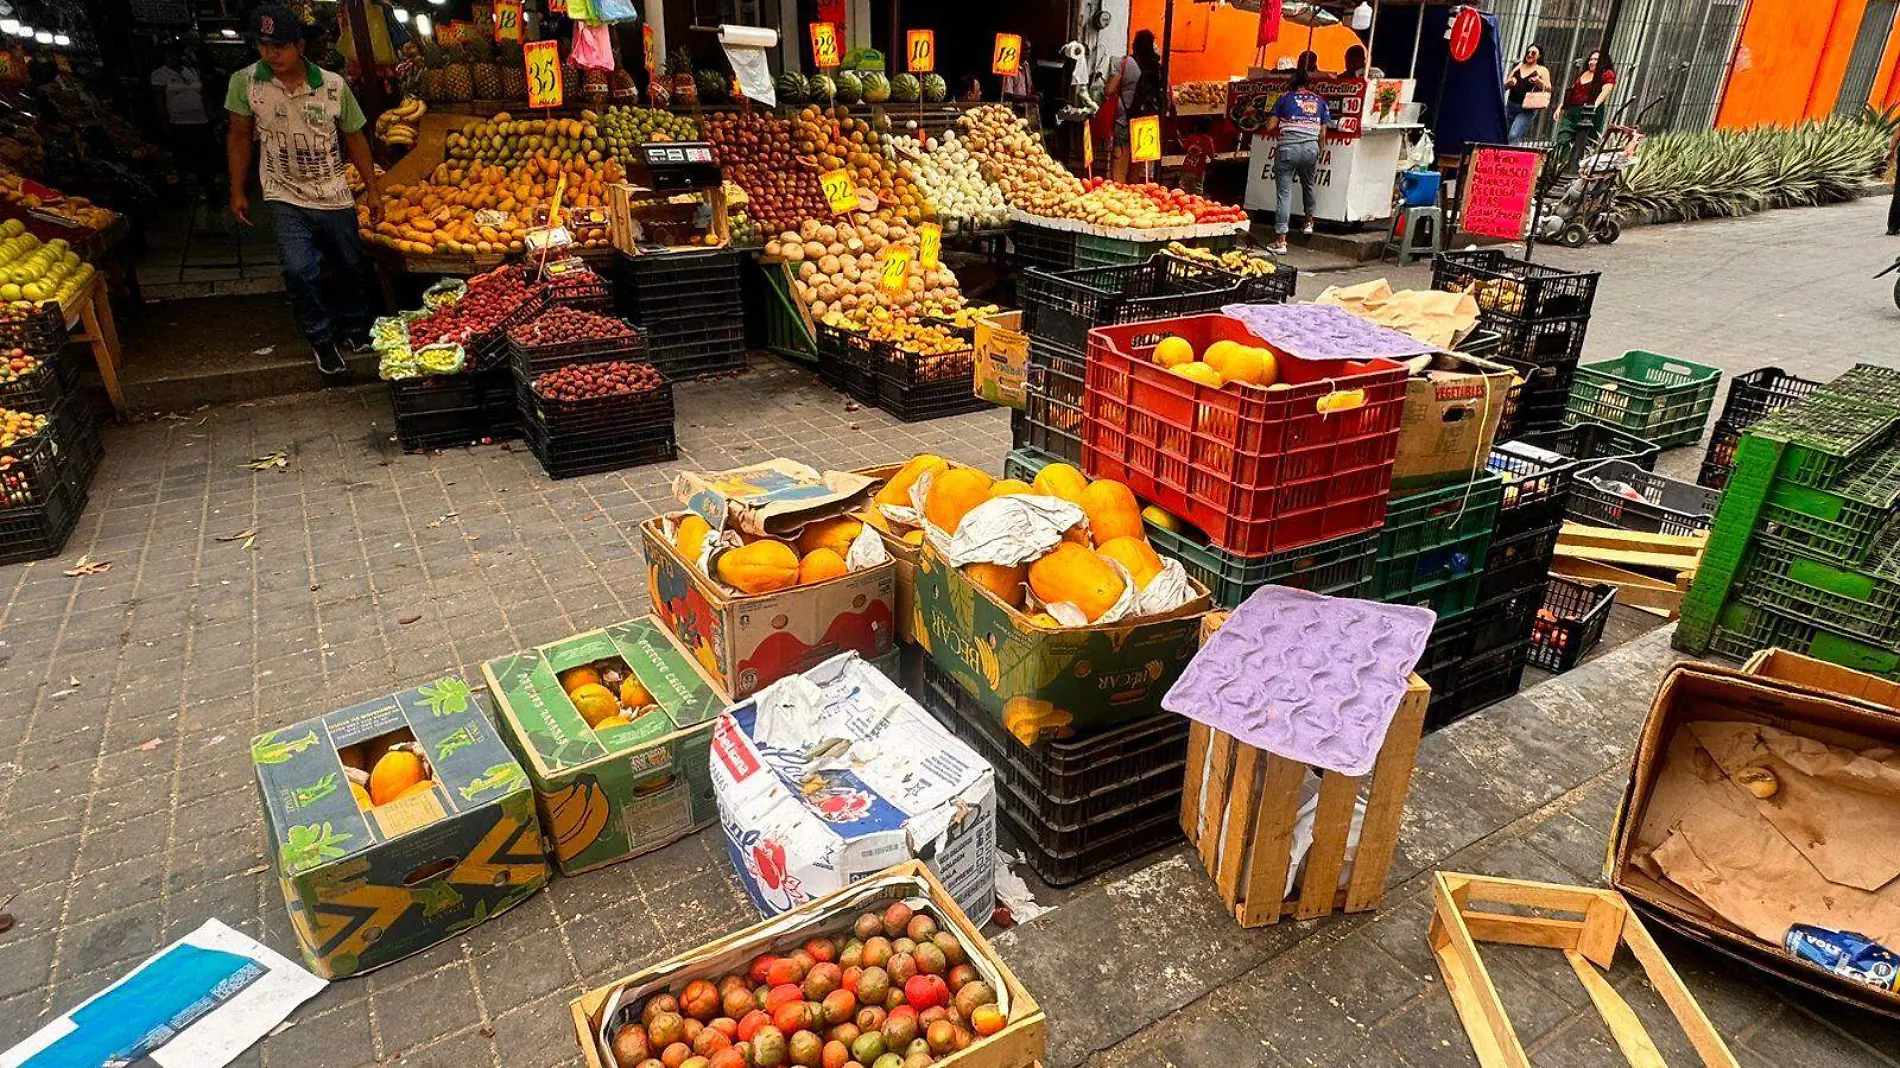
(508, 20)
(544, 73)
(1144, 139)
(920, 47)
(1007, 58)
(824, 44)
(896, 267)
(840, 191)
(929, 245)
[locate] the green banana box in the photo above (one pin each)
(369, 885)
(619, 789)
(1040, 681)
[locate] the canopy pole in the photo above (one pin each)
(1418, 38)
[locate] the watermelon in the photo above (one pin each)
(936, 90)
(790, 88)
(906, 89)
(712, 86)
(850, 87)
(819, 88)
(877, 88)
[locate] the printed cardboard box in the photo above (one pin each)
(1453, 406)
(1096, 676)
(1002, 358)
(903, 552)
(776, 497)
(744, 643)
(897, 786)
(609, 794)
(365, 888)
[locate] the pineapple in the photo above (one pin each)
(433, 62)
(659, 94)
(458, 80)
(595, 86)
(570, 80)
(685, 90)
(514, 70)
(483, 74)
(624, 89)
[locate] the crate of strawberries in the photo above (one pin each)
(561, 336)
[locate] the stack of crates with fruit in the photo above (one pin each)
(689, 304)
(1661, 399)
(917, 371)
(1752, 397)
(49, 439)
(1540, 314)
(1805, 548)
(588, 399)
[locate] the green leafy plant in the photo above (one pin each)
(1716, 173)
(305, 796)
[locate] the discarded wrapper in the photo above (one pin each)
(1846, 954)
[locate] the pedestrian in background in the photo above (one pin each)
(1299, 119)
(1893, 208)
(1527, 93)
(179, 92)
(1137, 89)
(1580, 116)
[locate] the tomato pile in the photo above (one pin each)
(1203, 209)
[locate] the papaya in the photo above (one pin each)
(421, 787)
(760, 567)
(396, 772)
(1112, 510)
(689, 534)
(1060, 480)
(1005, 581)
(1137, 556)
(594, 702)
(836, 534)
(361, 795)
(897, 490)
(1010, 486)
(953, 494)
(819, 565)
(1074, 575)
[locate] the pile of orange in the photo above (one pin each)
(467, 207)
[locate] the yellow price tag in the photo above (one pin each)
(929, 245)
(1088, 150)
(544, 73)
(651, 45)
(1007, 57)
(824, 44)
(920, 47)
(554, 206)
(1144, 139)
(508, 20)
(840, 191)
(896, 267)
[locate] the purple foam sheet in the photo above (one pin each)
(1324, 332)
(1311, 678)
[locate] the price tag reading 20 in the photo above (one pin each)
(824, 44)
(544, 73)
(1144, 138)
(840, 191)
(1007, 58)
(929, 245)
(896, 269)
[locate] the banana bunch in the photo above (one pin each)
(397, 126)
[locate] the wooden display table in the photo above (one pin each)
(89, 322)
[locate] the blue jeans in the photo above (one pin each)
(307, 239)
(1523, 120)
(1290, 163)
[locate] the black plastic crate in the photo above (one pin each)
(1516, 289)
(1051, 426)
(41, 332)
(442, 429)
(582, 290)
(37, 531)
(1504, 621)
(490, 349)
(1444, 651)
(1338, 568)
(930, 400)
(1041, 247)
(600, 420)
(1719, 461)
(433, 393)
(1752, 396)
(1536, 486)
(38, 391)
(905, 368)
(1596, 441)
(1479, 683)
(1519, 561)
(1543, 344)
(1617, 493)
(530, 360)
(700, 348)
(76, 432)
(571, 459)
(1061, 307)
(1062, 855)
(1063, 376)
(31, 470)
(663, 287)
(858, 359)
(1570, 623)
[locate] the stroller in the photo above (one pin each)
(1582, 206)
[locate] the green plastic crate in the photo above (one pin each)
(1867, 382)
(785, 331)
(1092, 251)
(1745, 630)
(1340, 567)
(1433, 546)
(1824, 436)
(1023, 464)
(1661, 398)
(1843, 523)
(1858, 603)
(1756, 459)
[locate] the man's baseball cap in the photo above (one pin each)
(274, 24)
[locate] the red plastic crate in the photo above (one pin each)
(1257, 470)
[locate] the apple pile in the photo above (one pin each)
(15, 364)
(755, 148)
(583, 381)
(568, 326)
(892, 992)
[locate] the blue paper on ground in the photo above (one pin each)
(149, 1007)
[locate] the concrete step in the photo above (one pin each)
(182, 388)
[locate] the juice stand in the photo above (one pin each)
(1359, 157)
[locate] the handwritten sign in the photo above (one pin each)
(1144, 138)
(650, 44)
(824, 44)
(508, 20)
(896, 269)
(920, 50)
(1499, 186)
(1007, 57)
(1088, 150)
(929, 245)
(1250, 101)
(840, 191)
(544, 73)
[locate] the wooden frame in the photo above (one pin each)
(1588, 943)
(1018, 1045)
(1238, 810)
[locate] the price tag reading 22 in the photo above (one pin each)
(929, 245)
(1144, 139)
(1007, 58)
(840, 191)
(824, 44)
(896, 267)
(544, 73)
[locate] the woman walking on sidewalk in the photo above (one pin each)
(1527, 93)
(1299, 119)
(1579, 118)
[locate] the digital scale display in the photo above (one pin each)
(663, 154)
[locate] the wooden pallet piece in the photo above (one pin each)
(1633, 588)
(1605, 923)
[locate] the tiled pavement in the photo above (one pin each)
(128, 815)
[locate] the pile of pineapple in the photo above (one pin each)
(478, 70)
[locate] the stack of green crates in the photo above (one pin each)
(1432, 548)
(1661, 398)
(1805, 550)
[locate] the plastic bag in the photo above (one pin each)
(593, 43)
(616, 11)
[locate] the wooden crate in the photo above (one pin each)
(1018, 1045)
(1787, 666)
(1605, 922)
(1238, 810)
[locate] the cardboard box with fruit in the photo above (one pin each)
(885, 973)
(394, 824)
(770, 574)
(612, 727)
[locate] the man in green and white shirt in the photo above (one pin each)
(303, 119)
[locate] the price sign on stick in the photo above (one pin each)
(840, 191)
(544, 73)
(508, 20)
(1144, 139)
(824, 44)
(896, 265)
(651, 45)
(929, 245)
(1007, 58)
(920, 48)
(1088, 150)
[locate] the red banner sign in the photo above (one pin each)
(1499, 191)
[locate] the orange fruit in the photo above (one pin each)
(594, 702)
(576, 677)
(1010, 487)
(1199, 372)
(633, 694)
(396, 772)
(1173, 351)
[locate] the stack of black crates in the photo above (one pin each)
(1540, 314)
(597, 434)
(1751, 398)
(689, 306)
(476, 406)
(44, 479)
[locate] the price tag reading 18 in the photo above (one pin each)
(896, 266)
(840, 191)
(1007, 57)
(508, 20)
(1144, 138)
(929, 245)
(544, 73)
(920, 47)
(824, 44)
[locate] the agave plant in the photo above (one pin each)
(1734, 172)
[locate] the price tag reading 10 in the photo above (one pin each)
(840, 191)
(824, 44)
(544, 73)
(1008, 55)
(921, 50)
(929, 245)
(896, 265)
(1144, 138)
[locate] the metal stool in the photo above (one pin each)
(1405, 239)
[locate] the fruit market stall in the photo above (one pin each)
(1359, 158)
